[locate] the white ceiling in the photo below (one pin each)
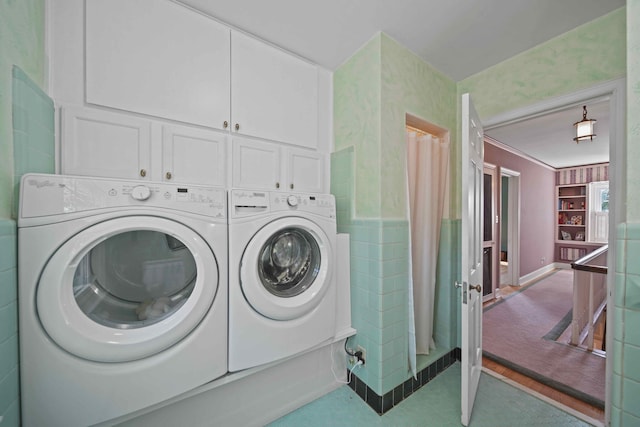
(457, 37)
(549, 138)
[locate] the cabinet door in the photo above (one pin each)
(256, 164)
(305, 171)
(157, 58)
(274, 94)
(193, 156)
(97, 143)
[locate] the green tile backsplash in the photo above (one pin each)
(33, 130)
(9, 381)
(626, 315)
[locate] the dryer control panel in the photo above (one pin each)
(45, 194)
(246, 203)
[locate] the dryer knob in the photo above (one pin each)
(141, 192)
(292, 201)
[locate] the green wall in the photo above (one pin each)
(22, 72)
(384, 81)
(625, 354)
(589, 54)
(356, 111)
(633, 110)
(373, 91)
(21, 44)
(409, 85)
(578, 59)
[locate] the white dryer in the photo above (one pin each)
(123, 295)
(282, 297)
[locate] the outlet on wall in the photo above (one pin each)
(363, 356)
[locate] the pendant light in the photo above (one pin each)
(584, 128)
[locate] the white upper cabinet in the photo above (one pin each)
(261, 165)
(305, 170)
(256, 164)
(193, 156)
(274, 95)
(99, 143)
(158, 58)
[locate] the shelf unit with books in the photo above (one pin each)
(571, 224)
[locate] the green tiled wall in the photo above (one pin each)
(22, 44)
(33, 130)
(9, 385)
(625, 387)
(373, 91)
(31, 125)
(379, 278)
(626, 334)
(33, 149)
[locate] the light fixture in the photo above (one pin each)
(584, 128)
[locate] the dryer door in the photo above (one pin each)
(127, 288)
(286, 268)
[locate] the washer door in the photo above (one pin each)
(127, 288)
(285, 269)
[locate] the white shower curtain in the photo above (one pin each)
(427, 199)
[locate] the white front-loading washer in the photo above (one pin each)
(123, 295)
(282, 297)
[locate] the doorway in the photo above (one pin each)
(614, 92)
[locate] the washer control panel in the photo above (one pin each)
(58, 194)
(246, 203)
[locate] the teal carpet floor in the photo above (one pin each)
(436, 404)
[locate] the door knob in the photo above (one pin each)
(476, 287)
(168, 175)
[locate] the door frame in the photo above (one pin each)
(615, 92)
(513, 213)
(492, 170)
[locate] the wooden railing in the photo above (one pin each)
(589, 295)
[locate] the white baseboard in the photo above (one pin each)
(534, 275)
(563, 265)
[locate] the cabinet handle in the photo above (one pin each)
(143, 173)
(225, 124)
(291, 186)
(237, 126)
(168, 175)
(277, 185)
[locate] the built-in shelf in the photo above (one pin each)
(571, 223)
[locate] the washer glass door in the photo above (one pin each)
(286, 268)
(127, 288)
(289, 262)
(134, 279)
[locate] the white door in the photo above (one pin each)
(472, 179)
